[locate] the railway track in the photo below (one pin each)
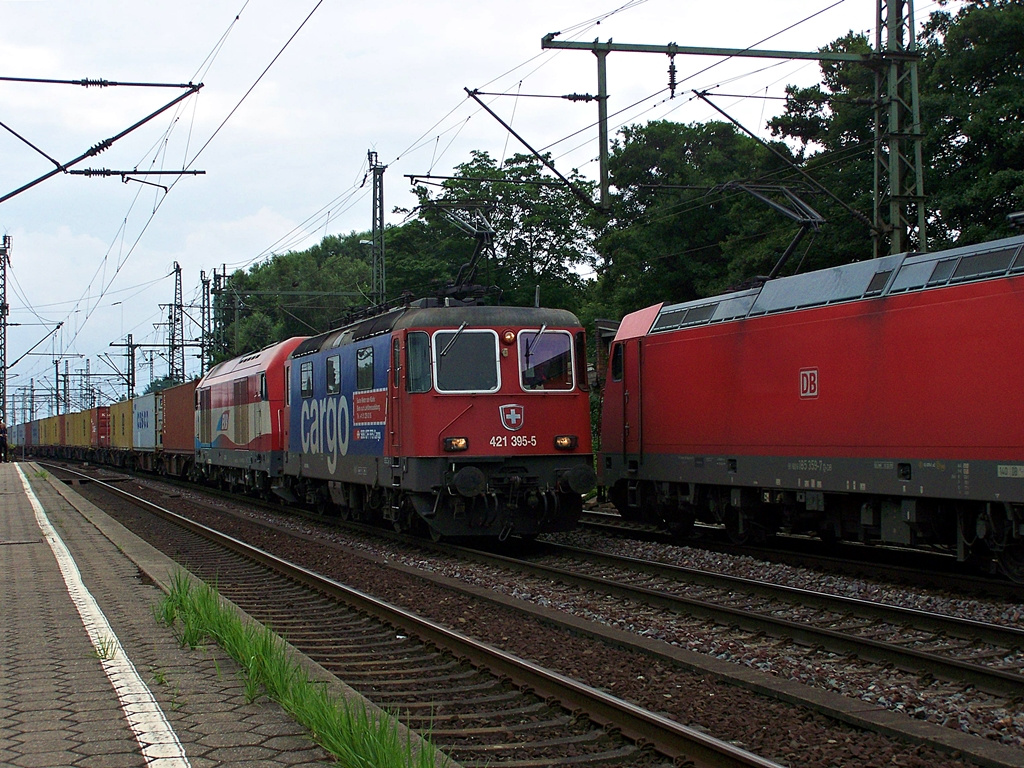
(481, 706)
(986, 656)
(913, 568)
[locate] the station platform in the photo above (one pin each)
(88, 677)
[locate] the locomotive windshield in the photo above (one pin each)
(545, 360)
(466, 361)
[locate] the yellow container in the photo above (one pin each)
(121, 425)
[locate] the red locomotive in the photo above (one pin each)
(874, 402)
(239, 429)
(448, 417)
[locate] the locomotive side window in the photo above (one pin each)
(396, 364)
(617, 363)
(263, 387)
(545, 360)
(466, 361)
(417, 360)
(364, 368)
(333, 375)
(306, 379)
(581, 361)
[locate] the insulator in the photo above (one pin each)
(672, 76)
(101, 147)
(86, 82)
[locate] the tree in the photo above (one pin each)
(834, 125)
(294, 294)
(973, 106)
(158, 385)
(542, 230)
(677, 232)
(972, 115)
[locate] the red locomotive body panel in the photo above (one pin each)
(926, 374)
(239, 415)
(507, 422)
(472, 419)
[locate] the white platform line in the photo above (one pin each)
(159, 743)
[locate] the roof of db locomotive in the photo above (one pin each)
(437, 317)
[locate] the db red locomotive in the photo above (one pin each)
(875, 402)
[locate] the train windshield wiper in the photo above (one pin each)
(449, 344)
(532, 345)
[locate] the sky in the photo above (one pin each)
(295, 94)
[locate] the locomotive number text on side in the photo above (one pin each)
(513, 441)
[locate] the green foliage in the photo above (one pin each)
(834, 126)
(973, 108)
(543, 231)
(158, 385)
(293, 294)
(677, 232)
(348, 729)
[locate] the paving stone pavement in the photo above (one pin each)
(58, 707)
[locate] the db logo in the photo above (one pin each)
(809, 382)
(512, 417)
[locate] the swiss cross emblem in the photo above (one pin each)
(512, 417)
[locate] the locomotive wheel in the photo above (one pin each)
(1011, 561)
(617, 496)
(737, 525)
(678, 521)
(322, 503)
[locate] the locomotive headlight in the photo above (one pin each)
(508, 337)
(455, 444)
(566, 442)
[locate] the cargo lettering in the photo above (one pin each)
(324, 428)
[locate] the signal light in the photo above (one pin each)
(456, 444)
(566, 442)
(508, 337)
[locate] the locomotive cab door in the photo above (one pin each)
(284, 413)
(632, 360)
(394, 398)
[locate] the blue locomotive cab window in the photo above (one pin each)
(466, 361)
(364, 368)
(417, 360)
(333, 375)
(306, 379)
(545, 360)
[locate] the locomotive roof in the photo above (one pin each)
(885, 276)
(479, 316)
(258, 360)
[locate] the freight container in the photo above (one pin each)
(121, 421)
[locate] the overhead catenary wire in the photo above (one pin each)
(207, 63)
(124, 247)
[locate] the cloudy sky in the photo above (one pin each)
(294, 95)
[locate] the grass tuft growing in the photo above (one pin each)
(353, 734)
